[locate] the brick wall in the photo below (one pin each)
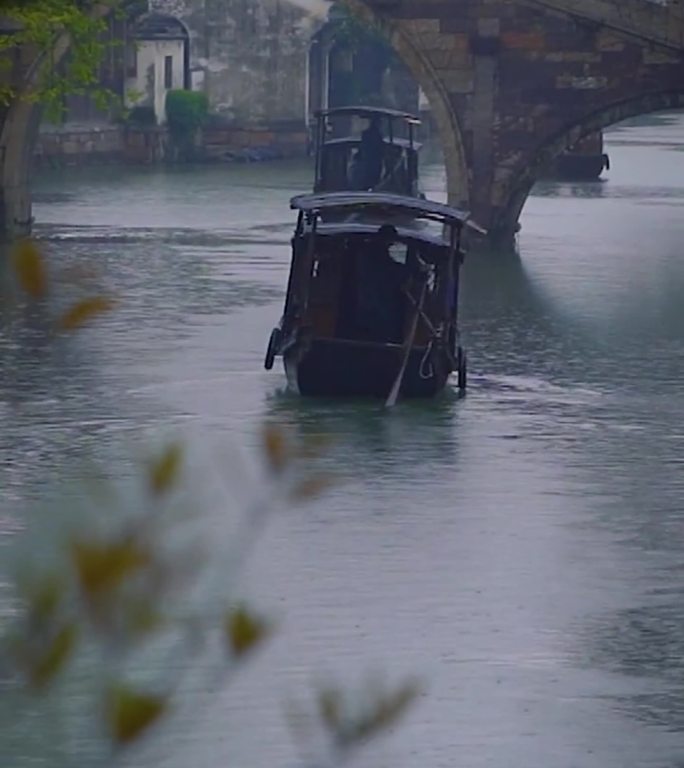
(76, 145)
(91, 145)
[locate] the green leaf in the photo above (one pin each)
(42, 25)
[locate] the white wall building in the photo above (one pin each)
(156, 63)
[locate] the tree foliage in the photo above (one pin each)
(372, 55)
(355, 32)
(60, 44)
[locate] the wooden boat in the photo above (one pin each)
(372, 299)
(339, 151)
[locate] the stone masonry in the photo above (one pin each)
(514, 82)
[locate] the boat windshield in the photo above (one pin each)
(353, 121)
(345, 165)
(366, 149)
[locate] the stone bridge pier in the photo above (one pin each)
(514, 82)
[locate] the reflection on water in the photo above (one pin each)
(367, 444)
(589, 189)
(520, 547)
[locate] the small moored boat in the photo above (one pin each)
(372, 299)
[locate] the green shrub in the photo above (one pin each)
(186, 111)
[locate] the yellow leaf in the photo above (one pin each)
(30, 269)
(83, 311)
(244, 631)
(164, 471)
(101, 567)
(275, 447)
(42, 670)
(130, 713)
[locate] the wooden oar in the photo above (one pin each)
(408, 344)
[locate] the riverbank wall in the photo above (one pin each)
(76, 145)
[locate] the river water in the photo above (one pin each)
(519, 549)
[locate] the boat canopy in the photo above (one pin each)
(398, 204)
(368, 112)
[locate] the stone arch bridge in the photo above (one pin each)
(514, 82)
(511, 83)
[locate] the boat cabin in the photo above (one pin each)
(366, 149)
(372, 295)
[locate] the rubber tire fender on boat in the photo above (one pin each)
(272, 348)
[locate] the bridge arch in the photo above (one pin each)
(444, 115)
(527, 174)
(446, 119)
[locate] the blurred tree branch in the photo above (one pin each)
(124, 594)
